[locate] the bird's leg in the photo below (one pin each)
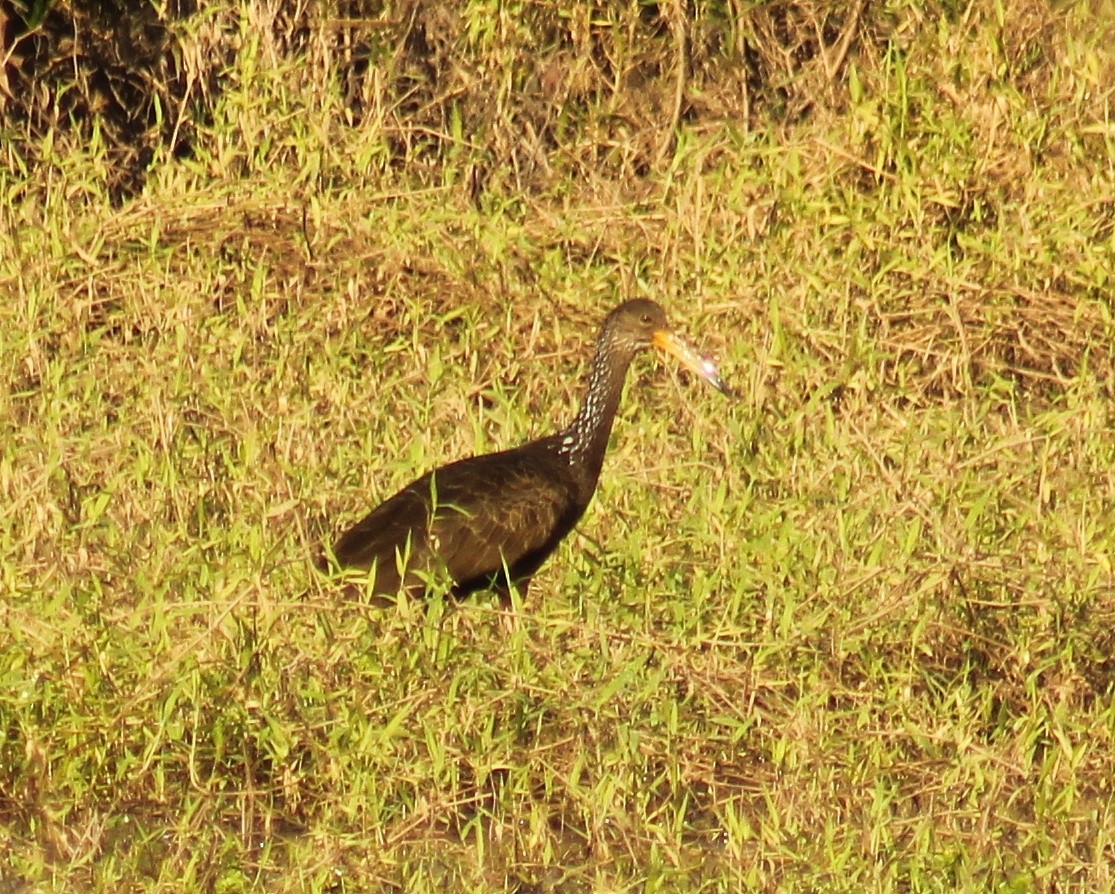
(512, 596)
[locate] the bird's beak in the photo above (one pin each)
(666, 341)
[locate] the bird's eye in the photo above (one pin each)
(646, 319)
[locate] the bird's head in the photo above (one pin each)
(641, 323)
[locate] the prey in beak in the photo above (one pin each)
(688, 356)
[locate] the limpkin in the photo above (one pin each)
(490, 521)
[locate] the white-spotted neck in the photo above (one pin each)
(584, 441)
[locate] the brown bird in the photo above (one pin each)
(490, 521)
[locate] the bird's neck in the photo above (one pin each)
(585, 440)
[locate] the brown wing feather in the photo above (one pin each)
(503, 509)
(503, 530)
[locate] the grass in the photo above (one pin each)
(852, 631)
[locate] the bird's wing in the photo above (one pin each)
(474, 517)
(517, 513)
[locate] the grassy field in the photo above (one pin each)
(853, 631)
